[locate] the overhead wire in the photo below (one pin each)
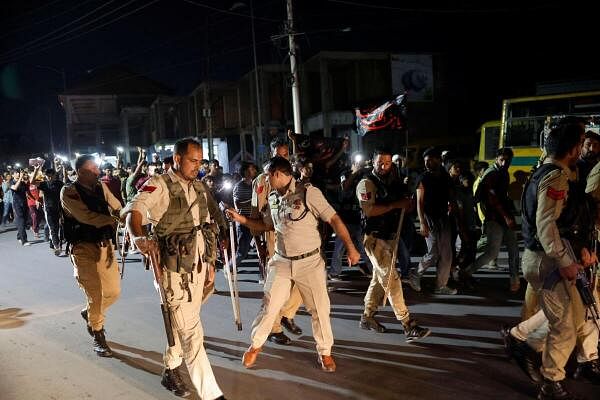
(44, 20)
(430, 10)
(34, 42)
(29, 52)
(220, 10)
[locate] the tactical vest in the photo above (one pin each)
(574, 222)
(383, 226)
(76, 231)
(176, 232)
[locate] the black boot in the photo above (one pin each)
(371, 323)
(412, 331)
(172, 381)
(84, 315)
(291, 326)
(527, 359)
(588, 370)
(554, 390)
(279, 338)
(100, 346)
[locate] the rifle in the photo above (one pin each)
(231, 275)
(583, 285)
(154, 258)
(394, 257)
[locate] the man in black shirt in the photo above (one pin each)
(434, 189)
(19, 195)
(50, 191)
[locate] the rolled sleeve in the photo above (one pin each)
(552, 196)
(318, 205)
(149, 201)
(365, 193)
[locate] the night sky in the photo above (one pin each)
(494, 49)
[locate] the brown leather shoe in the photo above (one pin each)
(326, 363)
(249, 357)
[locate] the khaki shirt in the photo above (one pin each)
(76, 208)
(295, 235)
(152, 201)
(552, 196)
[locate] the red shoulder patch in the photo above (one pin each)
(365, 196)
(147, 188)
(259, 189)
(556, 194)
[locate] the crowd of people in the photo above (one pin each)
(175, 210)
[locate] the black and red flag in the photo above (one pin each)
(390, 116)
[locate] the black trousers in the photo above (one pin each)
(53, 222)
(21, 214)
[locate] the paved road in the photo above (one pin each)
(45, 352)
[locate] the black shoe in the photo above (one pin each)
(551, 390)
(291, 326)
(172, 381)
(588, 370)
(100, 346)
(412, 331)
(527, 359)
(371, 323)
(85, 317)
(279, 338)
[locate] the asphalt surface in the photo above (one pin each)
(45, 352)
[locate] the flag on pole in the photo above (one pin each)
(389, 116)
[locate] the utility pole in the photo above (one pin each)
(294, 69)
(259, 135)
(207, 112)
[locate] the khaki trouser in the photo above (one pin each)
(309, 276)
(289, 309)
(97, 273)
(380, 253)
(566, 328)
(188, 332)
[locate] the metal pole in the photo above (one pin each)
(207, 107)
(256, 79)
(51, 131)
(294, 69)
(242, 136)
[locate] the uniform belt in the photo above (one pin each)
(301, 256)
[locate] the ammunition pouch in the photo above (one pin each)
(178, 251)
(211, 242)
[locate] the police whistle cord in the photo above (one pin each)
(231, 276)
(386, 288)
(156, 269)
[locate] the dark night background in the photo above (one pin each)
(494, 49)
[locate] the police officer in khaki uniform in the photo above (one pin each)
(295, 210)
(260, 192)
(549, 264)
(179, 209)
(89, 228)
(380, 203)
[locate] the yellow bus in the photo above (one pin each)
(522, 126)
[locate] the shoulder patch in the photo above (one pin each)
(555, 194)
(259, 189)
(366, 196)
(147, 188)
